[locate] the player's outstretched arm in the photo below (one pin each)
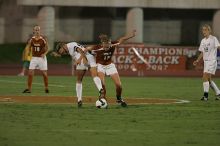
(89, 48)
(55, 54)
(127, 37)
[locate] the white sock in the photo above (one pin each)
(206, 87)
(215, 87)
(79, 91)
(97, 82)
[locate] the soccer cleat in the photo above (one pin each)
(46, 91)
(101, 94)
(217, 97)
(79, 103)
(122, 102)
(204, 98)
(26, 91)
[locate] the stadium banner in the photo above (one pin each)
(158, 58)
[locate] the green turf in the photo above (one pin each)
(192, 124)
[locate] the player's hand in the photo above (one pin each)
(43, 56)
(85, 50)
(55, 54)
(78, 61)
(195, 62)
(85, 61)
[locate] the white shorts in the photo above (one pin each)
(91, 62)
(38, 63)
(107, 69)
(210, 66)
(82, 67)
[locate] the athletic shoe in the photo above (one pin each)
(204, 98)
(46, 91)
(80, 103)
(122, 102)
(26, 91)
(101, 94)
(217, 97)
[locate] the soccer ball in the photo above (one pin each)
(101, 103)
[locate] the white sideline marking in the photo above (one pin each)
(178, 101)
(17, 82)
(182, 101)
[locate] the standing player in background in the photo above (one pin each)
(26, 58)
(208, 48)
(104, 53)
(39, 50)
(84, 61)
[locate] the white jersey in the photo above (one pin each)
(72, 48)
(208, 47)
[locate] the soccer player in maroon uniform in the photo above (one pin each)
(104, 53)
(39, 46)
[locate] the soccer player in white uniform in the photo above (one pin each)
(208, 48)
(84, 62)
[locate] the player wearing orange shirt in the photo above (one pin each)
(39, 46)
(104, 53)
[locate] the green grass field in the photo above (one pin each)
(192, 124)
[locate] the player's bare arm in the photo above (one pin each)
(55, 54)
(83, 56)
(198, 59)
(89, 48)
(127, 37)
(46, 50)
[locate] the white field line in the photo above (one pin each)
(177, 101)
(8, 100)
(182, 101)
(40, 84)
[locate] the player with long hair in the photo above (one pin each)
(84, 62)
(208, 48)
(104, 53)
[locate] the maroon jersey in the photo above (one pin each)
(102, 56)
(38, 45)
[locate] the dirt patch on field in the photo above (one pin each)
(87, 100)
